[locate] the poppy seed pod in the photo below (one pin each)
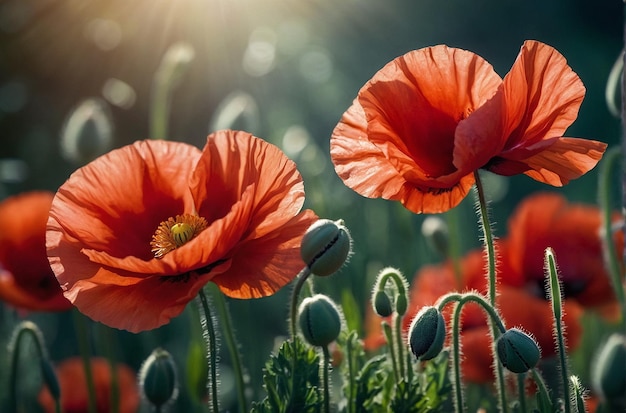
(427, 333)
(319, 320)
(326, 246)
(157, 378)
(518, 351)
(382, 304)
(608, 372)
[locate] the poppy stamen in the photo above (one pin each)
(175, 232)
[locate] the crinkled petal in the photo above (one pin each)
(234, 161)
(115, 203)
(262, 266)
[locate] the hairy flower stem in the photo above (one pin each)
(82, 334)
(400, 345)
(209, 337)
(389, 337)
(301, 279)
(231, 343)
(395, 340)
(325, 378)
(23, 329)
(521, 391)
(555, 298)
(461, 300)
(490, 251)
(542, 389)
(610, 253)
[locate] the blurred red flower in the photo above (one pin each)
(426, 121)
(26, 279)
(73, 385)
(573, 232)
(229, 214)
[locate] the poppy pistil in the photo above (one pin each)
(175, 232)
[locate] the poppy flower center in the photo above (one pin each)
(176, 232)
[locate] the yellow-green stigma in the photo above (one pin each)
(176, 232)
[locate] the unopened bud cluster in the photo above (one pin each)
(382, 303)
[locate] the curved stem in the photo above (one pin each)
(326, 384)
(301, 279)
(209, 336)
(604, 201)
(82, 335)
(231, 343)
(456, 358)
(490, 250)
(29, 328)
(463, 298)
(388, 333)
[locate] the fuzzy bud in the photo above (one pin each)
(319, 320)
(326, 246)
(427, 333)
(608, 372)
(157, 378)
(518, 351)
(382, 304)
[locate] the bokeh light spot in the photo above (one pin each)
(104, 33)
(119, 93)
(259, 57)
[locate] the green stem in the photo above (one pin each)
(542, 389)
(555, 298)
(301, 279)
(388, 333)
(108, 346)
(352, 384)
(23, 329)
(491, 289)
(604, 201)
(521, 390)
(224, 316)
(399, 344)
(82, 335)
(462, 299)
(326, 384)
(209, 336)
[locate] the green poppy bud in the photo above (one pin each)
(518, 351)
(382, 304)
(608, 373)
(402, 304)
(326, 246)
(157, 378)
(427, 333)
(319, 320)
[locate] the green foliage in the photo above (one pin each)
(282, 375)
(369, 384)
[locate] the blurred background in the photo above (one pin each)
(80, 77)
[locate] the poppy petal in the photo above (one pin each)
(278, 193)
(261, 266)
(542, 95)
(396, 141)
(115, 203)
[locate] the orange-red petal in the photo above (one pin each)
(26, 280)
(397, 140)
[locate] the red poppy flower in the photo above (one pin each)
(573, 232)
(134, 235)
(73, 385)
(26, 280)
(426, 121)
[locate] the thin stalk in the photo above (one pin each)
(352, 383)
(209, 336)
(557, 311)
(388, 333)
(491, 289)
(301, 279)
(462, 299)
(604, 200)
(82, 335)
(521, 391)
(399, 344)
(542, 389)
(326, 384)
(231, 343)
